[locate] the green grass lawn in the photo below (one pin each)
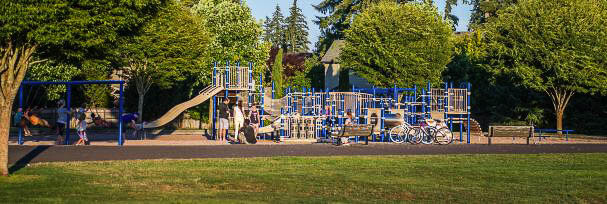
(546, 178)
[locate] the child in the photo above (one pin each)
(254, 118)
(82, 130)
(20, 120)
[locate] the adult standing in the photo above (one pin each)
(62, 117)
(224, 114)
(238, 118)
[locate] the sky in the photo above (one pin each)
(263, 8)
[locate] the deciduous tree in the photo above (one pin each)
(58, 29)
(170, 47)
(237, 35)
(558, 47)
(398, 44)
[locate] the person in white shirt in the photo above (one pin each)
(62, 117)
(238, 118)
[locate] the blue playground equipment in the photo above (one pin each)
(68, 100)
(308, 113)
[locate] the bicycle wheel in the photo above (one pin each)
(443, 136)
(397, 133)
(428, 136)
(414, 135)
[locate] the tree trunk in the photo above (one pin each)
(5, 124)
(140, 107)
(559, 120)
(560, 98)
(14, 61)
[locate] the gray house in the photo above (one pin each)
(332, 69)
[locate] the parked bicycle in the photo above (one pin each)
(430, 131)
(399, 134)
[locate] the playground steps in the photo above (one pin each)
(203, 96)
(475, 127)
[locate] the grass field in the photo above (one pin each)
(546, 178)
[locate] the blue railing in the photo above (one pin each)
(542, 131)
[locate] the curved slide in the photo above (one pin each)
(203, 96)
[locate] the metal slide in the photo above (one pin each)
(203, 96)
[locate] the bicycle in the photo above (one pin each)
(430, 131)
(399, 134)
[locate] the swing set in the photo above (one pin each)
(68, 99)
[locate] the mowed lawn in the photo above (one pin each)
(544, 178)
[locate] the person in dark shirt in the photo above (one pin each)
(224, 114)
(129, 120)
(247, 133)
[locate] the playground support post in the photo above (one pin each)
(120, 111)
(21, 106)
(251, 88)
(261, 99)
(67, 123)
(227, 76)
(468, 97)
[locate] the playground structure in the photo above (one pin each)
(312, 114)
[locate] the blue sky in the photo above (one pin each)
(263, 8)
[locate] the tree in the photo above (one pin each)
(297, 30)
(277, 75)
(484, 10)
(275, 29)
(557, 47)
(170, 47)
(237, 35)
(97, 95)
(340, 14)
(57, 29)
(398, 44)
(50, 71)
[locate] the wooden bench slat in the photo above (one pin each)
(361, 130)
(510, 131)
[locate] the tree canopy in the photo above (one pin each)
(62, 30)
(237, 35)
(557, 47)
(398, 44)
(340, 15)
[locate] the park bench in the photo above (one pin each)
(363, 130)
(510, 131)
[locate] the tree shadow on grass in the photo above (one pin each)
(25, 160)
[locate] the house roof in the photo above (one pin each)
(332, 55)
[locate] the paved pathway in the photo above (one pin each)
(32, 154)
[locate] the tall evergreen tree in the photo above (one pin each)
(275, 29)
(267, 35)
(297, 30)
(277, 75)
